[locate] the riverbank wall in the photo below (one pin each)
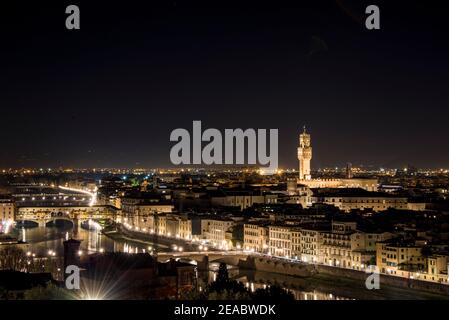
(310, 270)
(150, 238)
(277, 266)
(387, 280)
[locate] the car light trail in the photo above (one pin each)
(93, 195)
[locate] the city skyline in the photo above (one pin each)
(313, 167)
(138, 165)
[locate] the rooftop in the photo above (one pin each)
(350, 192)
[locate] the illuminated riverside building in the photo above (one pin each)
(296, 242)
(438, 266)
(336, 244)
(142, 206)
(178, 226)
(160, 224)
(150, 223)
(305, 178)
(7, 209)
(311, 241)
(394, 255)
(146, 213)
(363, 247)
(280, 241)
(255, 237)
(345, 246)
(342, 245)
(218, 231)
(400, 257)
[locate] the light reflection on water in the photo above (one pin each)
(41, 239)
(265, 279)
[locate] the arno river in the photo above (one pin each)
(41, 240)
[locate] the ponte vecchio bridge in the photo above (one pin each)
(75, 214)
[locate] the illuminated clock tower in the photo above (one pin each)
(304, 155)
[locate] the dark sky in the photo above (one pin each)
(109, 94)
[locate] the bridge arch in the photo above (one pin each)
(201, 260)
(59, 221)
(27, 224)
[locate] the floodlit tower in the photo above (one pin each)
(304, 155)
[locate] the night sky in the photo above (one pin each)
(109, 94)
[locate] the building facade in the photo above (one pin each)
(215, 231)
(311, 241)
(7, 209)
(280, 242)
(256, 237)
(394, 256)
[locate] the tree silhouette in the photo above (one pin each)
(49, 292)
(222, 275)
(12, 258)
